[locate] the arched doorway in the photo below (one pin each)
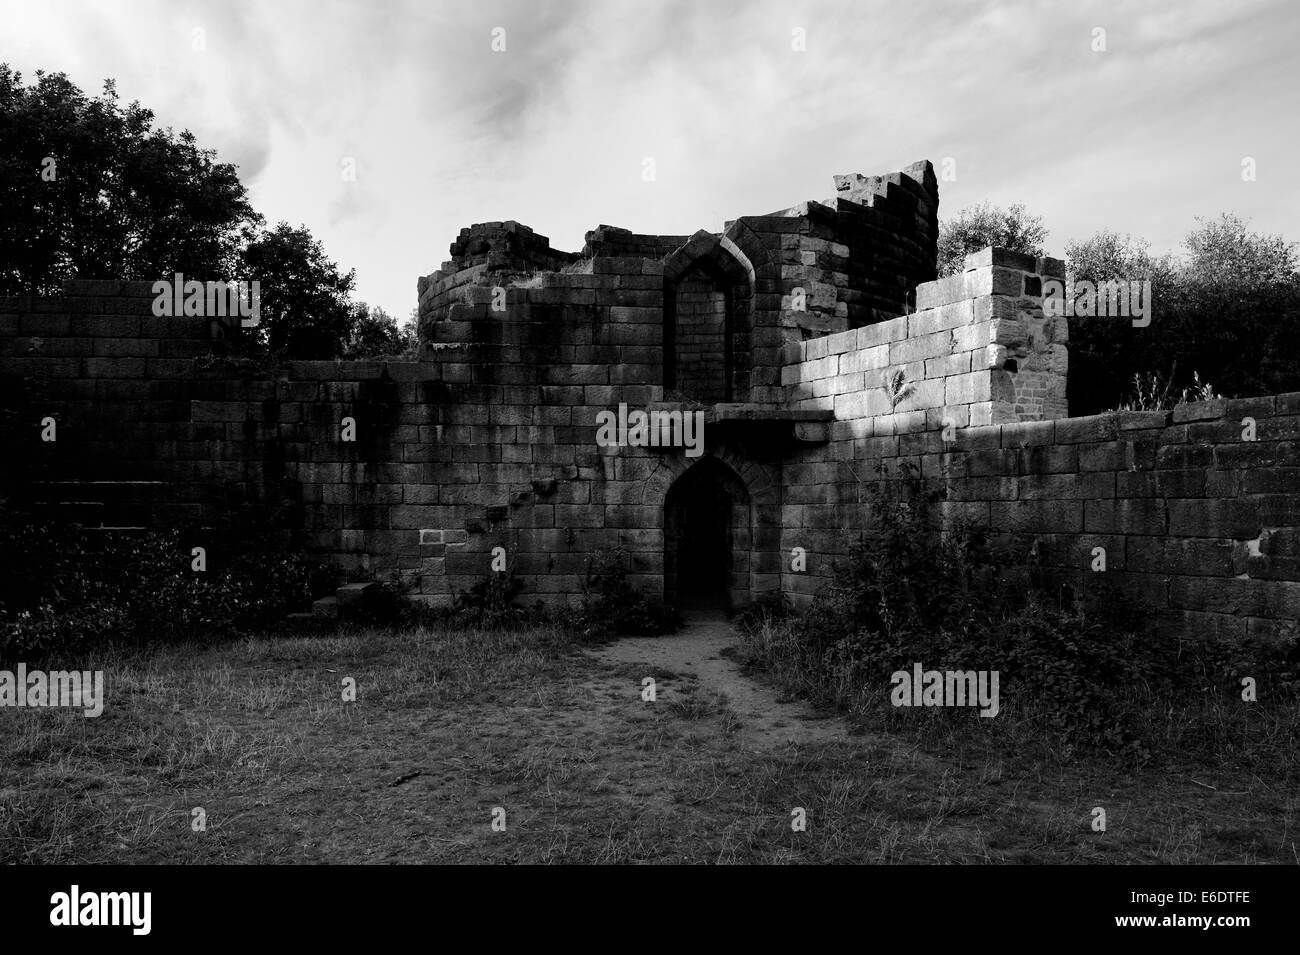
(707, 539)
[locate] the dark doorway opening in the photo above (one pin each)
(702, 511)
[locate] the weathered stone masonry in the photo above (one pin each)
(817, 345)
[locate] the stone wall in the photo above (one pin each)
(863, 252)
(978, 351)
(1193, 513)
(155, 429)
(844, 361)
(472, 449)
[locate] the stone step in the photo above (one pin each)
(334, 608)
(350, 595)
(325, 607)
(106, 491)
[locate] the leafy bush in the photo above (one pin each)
(490, 603)
(768, 609)
(1085, 672)
(612, 605)
(62, 591)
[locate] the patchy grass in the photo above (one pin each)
(448, 725)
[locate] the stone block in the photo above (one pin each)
(1201, 517)
(1199, 411)
(1137, 516)
(1056, 517)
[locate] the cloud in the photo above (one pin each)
(553, 131)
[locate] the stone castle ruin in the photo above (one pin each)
(815, 347)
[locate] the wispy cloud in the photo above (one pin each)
(444, 131)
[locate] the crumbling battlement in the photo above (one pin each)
(852, 260)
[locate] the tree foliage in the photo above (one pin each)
(977, 227)
(90, 189)
(375, 333)
(1227, 310)
(307, 311)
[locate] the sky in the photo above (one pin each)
(1130, 116)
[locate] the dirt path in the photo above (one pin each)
(697, 651)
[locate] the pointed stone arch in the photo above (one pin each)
(717, 517)
(709, 287)
(758, 480)
(721, 251)
(746, 241)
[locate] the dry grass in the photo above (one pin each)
(258, 736)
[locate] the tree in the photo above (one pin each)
(306, 307)
(1237, 314)
(376, 334)
(1223, 251)
(977, 227)
(1109, 255)
(1106, 352)
(90, 189)
(1228, 311)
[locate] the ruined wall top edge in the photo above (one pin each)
(511, 246)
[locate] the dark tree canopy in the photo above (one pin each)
(1225, 313)
(90, 189)
(375, 332)
(306, 307)
(1228, 310)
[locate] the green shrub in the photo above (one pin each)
(768, 609)
(490, 603)
(613, 606)
(62, 591)
(1082, 671)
